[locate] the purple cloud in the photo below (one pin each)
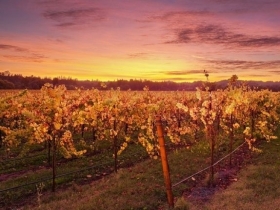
(185, 72)
(138, 55)
(37, 58)
(241, 64)
(215, 34)
(72, 17)
(12, 47)
(176, 79)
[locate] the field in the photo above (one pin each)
(100, 148)
(254, 187)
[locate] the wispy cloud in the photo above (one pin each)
(37, 58)
(21, 54)
(177, 79)
(276, 71)
(66, 24)
(175, 15)
(48, 2)
(12, 47)
(185, 72)
(111, 75)
(216, 34)
(72, 17)
(244, 65)
(176, 19)
(138, 55)
(256, 75)
(244, 5)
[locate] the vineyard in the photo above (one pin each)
(83, 135)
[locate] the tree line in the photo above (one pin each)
(17, 81)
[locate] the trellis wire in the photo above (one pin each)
(58, 176)
(185, 179)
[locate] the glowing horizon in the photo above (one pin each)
(155, 40)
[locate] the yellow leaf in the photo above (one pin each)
(57, 126)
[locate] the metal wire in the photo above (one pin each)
(59, 176)
(92, 167)
(185, 179)
(23, 158)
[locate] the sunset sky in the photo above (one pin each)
(141, 39)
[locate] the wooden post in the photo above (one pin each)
(164, 162)
(252, 123)
(115, 148)
(83, 129)
(212, 145)
(1, 141)
(49, 152)
(93, 133)
(53, 164)
(231, 140)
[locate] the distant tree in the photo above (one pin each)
(233, 80)
(17, 81)
(55, 81)
(4, 84)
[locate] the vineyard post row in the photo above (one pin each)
(53, 115)
(164, 161)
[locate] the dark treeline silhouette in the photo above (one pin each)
(17, 81)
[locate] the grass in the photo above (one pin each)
(257, 187)
(137, 187)
(23, 171)
(141, 186)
